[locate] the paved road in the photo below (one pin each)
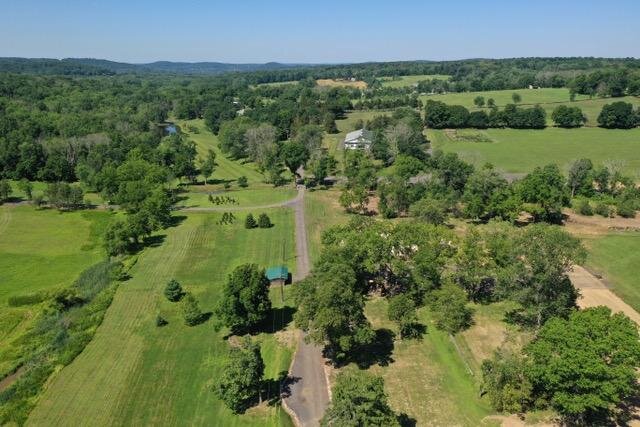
(309, 396)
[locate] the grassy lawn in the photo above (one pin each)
(226, 169)
(520, 150)
(547, 98)
(428, 379)
(402, 81)
(198, 196)
(46, 249)
(137, 374)
(617, 258)
(322, 210)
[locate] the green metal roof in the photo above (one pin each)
(279, 272)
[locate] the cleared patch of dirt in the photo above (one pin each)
(597, 225)
(6, 382)
(359, 84)
(484, 337)
(516, 421)
(594, 292)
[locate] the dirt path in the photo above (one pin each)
(594, 292)
(309, 396)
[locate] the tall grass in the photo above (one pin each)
(56, 338)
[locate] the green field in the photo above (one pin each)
(547, 98)
(520, 151)
(198, 196)
(45, 249)
(40, 250)
(226, 169)
(402, 81)
(617, 257)
(137, 374)
(321, 210)
(428, 379)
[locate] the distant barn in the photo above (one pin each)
(360, 139)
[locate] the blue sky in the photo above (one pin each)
(317, 31)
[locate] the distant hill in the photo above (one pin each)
(93, 67)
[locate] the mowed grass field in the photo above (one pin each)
(198, 196)
(226, 169)
(547, 98)
(322, 210)
(617, 257)
(40, 250)
(134, 373)
(521, 150)
(402, 81)
(45, 249)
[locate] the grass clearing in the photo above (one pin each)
(358, 84)
(428, 379)
(521, 150)
(198, 196)
(41, 250)
(617, 256)
(135, 373)
(322, 210)
(226, 169)
(402, 81)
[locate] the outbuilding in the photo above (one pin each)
(278, 275)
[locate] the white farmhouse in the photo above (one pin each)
(358, 140)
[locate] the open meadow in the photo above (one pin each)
(136, 373)
(226, 169)
(521, 150)
(403, 81)
(616, 256)
(40, 251)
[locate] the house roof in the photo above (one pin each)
(367, 134)
(278, 272)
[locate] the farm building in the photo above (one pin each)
(278, 275)
(358, 140)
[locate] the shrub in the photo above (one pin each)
(173, 291)
(583, 207)
(243, 182)
(227, 185)
(191, 310)
(161, 321)
(264, 221)
(250, 222)
(27, 299)
(603, 210)
(625, 208)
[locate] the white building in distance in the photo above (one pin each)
(358, 140)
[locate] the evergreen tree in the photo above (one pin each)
(173, 291)
(264, 221)
(250, 222)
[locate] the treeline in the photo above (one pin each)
(608, 82)
(439, 115)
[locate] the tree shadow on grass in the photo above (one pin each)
(276, 389)
(277, 320)
(176, 220)
(204, 317)
(406, 421)
(153, 241)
